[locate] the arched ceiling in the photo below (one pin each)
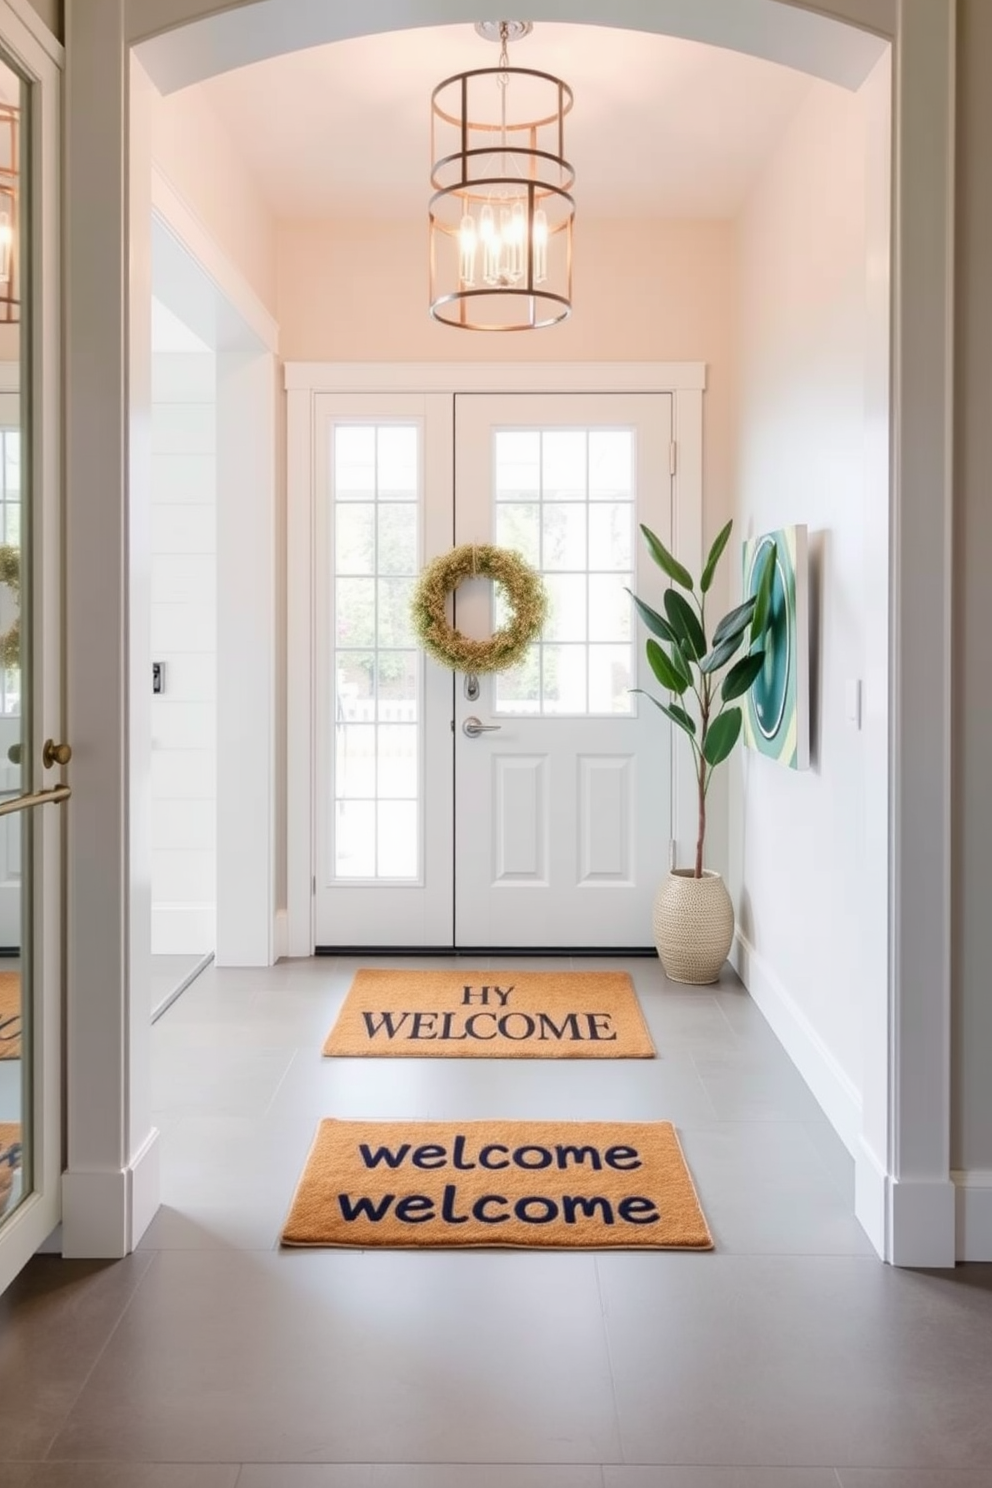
(661, 126)
(185, 41)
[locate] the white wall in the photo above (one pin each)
(193, 150)
(184, 637)
(808, 877)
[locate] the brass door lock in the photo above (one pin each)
(55, 754)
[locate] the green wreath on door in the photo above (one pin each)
(525, 595)
(10, 574)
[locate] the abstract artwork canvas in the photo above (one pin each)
(776, 715)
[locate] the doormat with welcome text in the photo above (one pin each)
(10, 1160)
(491, 1015)
(10, 1015)
(553, 1185)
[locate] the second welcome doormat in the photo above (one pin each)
(10, 1015)
(555, 1185)
(491, 1015)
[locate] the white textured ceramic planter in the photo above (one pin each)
(693, 925)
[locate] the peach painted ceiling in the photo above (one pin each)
(661, 127)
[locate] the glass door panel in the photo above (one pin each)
(16, 1023)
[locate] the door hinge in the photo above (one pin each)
(313, 884)
(672, 457)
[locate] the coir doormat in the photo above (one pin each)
(532, 1184)
(491, 1015)
(10, 1160)
(10, 1015)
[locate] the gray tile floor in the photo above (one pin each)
(789, 1358)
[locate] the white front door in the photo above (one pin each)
(563, 803)
(550, 827)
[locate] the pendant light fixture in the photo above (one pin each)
(10, 118)
(502, 211)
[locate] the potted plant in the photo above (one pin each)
(693, 914)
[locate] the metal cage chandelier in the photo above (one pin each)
(10, 180)
(502, 211)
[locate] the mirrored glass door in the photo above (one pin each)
(15, 828)
(32, 754)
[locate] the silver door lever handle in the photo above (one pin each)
(472, 728)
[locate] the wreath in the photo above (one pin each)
(525, 594)
(10, 574)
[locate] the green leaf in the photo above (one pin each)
(664, 670)
(674, 712)
(685, 624)
(721, 654)
(738, 680)
(736, 619)
(722, 735)
(715, 551)
(678, 659)
(763, 594)
(654, 622)
(664, 559)
(681, 717)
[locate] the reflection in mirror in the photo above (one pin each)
(15, 1023)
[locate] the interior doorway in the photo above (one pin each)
(528, 808)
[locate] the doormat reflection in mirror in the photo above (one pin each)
(491, 1015)
(10, 1160)
(554, 1185)
(10, 1015)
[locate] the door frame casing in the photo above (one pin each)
(305, 381)
(42, 60)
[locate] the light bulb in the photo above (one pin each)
(491, 245)
(516, 237)
(540, 246)
(467, 244)
(6, 244)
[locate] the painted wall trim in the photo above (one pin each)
(487, 377)
(199, 242)
(973, 1214)
(183, 929)
(832, 1087)
(794, 33)
(106, 1212)
(32, 22)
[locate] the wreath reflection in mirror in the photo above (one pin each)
(10, 576)
(525, 595)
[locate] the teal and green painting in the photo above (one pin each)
(776, 718)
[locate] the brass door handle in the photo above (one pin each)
(54, 754)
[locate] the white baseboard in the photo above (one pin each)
(105, 1214)
(835, 1091)
(973, 1213)
(183, 929)
(871, 1196)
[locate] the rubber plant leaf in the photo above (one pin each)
(666, 560)
(714, 558)
(656, 623)
(738, 680)
(722, 735)
(685, 623)
(663, 669)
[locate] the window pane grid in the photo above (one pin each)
(564, 499)
(376, 757)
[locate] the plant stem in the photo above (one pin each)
(701, 776)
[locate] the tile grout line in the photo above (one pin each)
(609, 1361)
(152, 1258)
